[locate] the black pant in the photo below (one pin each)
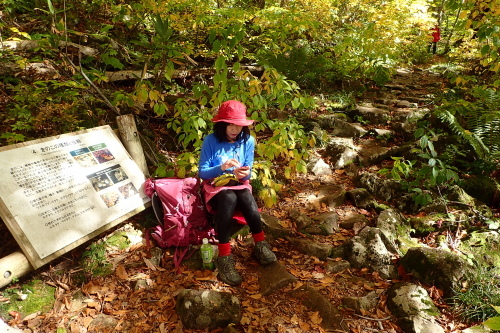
(225, 203)
(433, 47)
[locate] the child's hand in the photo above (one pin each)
(229, 164)
(242, 172)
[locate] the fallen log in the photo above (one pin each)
(13, 266)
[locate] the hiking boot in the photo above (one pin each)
(262, 251)
(227, 270)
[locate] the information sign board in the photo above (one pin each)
(58, 192)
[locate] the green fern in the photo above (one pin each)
(472, 138)
(483, 118)
(476, 120)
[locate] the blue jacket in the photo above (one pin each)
(214, 154)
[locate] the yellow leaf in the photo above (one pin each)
(463, 14)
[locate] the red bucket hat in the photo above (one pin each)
(233, 112)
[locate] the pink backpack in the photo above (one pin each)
(180, 211)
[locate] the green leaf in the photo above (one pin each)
(220, 63)
(423, 141)
(51, 7)
(112, 61)
(493, 323)
(485, 50)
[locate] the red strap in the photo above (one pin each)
(179, 256)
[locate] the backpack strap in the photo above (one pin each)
(157, 207)
(180, 255)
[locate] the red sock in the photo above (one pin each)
(224, 249)
(258, 237)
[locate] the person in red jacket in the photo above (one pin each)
(436, 37)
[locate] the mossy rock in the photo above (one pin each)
(29, 298)
(484, 189)
(483, 247)
(426, 224)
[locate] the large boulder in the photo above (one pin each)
(413, 308)
(371, 248)
(373, 115)
(384, 189)
(484, 189)
(396, 228)
(341, 152)
(443, 269)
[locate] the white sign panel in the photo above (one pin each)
(61, 189)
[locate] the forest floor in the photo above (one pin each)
(82, 298)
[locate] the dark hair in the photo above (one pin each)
(220, 132)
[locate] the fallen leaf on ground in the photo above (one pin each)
(121, 272)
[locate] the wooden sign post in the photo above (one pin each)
(59, 192)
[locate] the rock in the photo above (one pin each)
(408, 299)
(405, 104)
(484, 247)
(395, 87)
(4, 328)
(371, 248)
(384, 189)
(413, 307)
(405, 121)
(334, 267)
(390, 220)
(373, 115)
(383, 133)
(320, 167)
(328, 223)
(419, 325)
(140, 284)
(230, 329)
(77, 301)
(333, 200)
(363, 304)
(156, 255)
(341, 152)
(361, 198)
(424, 225)
(484, 189)
(354, 221)
(273, 278)
(351, 170)
(311, 248)
(207, 309)
(301, 221)
(103, 323)
(313, 299)
(437, 267)
(273, 227)
(337, 125)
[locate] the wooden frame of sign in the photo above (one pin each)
(61, 191)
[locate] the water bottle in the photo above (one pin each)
(207, 254)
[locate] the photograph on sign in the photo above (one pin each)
(60, 190)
